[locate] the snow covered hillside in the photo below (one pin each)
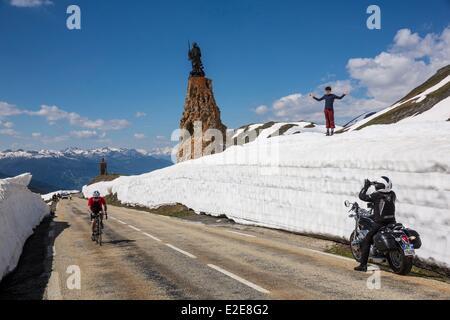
(299, 182)
(252, 132)
(429, 102)
(20, 212)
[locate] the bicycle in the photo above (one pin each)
(97, 235)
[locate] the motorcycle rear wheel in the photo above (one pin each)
(400, 263)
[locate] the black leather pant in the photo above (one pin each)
(368, 241)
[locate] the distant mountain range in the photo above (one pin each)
(72, 168)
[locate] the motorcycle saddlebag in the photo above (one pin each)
(417, 243)
(385, 241)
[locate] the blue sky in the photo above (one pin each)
(121, 80)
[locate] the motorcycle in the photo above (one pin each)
(394, 243)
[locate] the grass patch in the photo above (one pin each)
(410, 108)
(265, 126)
(176, 210)
(249, 136)
(340, 250)
(246, 127)
(109, 177)
(438, 77)
(282, 130)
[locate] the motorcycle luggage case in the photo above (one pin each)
(385, 241)
(417, 243)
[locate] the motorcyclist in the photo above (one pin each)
(97, 206)
(383, 204)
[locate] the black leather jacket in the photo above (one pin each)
(383, 205)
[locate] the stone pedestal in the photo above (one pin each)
(203, 132)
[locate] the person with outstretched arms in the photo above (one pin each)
(329, 98)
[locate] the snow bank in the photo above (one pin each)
(20, 212)
(300, 182)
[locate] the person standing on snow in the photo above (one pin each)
(329, 98)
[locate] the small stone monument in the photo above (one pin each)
(103, 167)
(201, 114)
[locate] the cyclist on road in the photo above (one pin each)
(97, 206)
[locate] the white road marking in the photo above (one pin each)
(327, 254)
(134, 228)
(152, 237)
(242, 234)
(374, 267)
(120, 221)
(181, 251)
(241, 280)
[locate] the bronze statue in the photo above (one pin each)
(195, 56)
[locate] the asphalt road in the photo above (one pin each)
(147, 256)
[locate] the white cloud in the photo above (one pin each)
(84, 134)
(140, 114)
(139, 136)
(263, 109)
(410, 61)
(9, 132)
(54, 139)
(298, 106)
(387, 77)
(30, 3)
(6, 124)
(54, 114)
(6, 129)
(36, 134)
(7, 110)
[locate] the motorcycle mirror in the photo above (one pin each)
(347, 203)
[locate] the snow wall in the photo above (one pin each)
(299, 183)
(20, 212)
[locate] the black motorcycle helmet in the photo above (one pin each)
(384, 184)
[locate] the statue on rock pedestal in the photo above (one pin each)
(103, 168)
(195, 56)
(203, 132)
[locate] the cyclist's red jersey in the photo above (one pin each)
(97, 204)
